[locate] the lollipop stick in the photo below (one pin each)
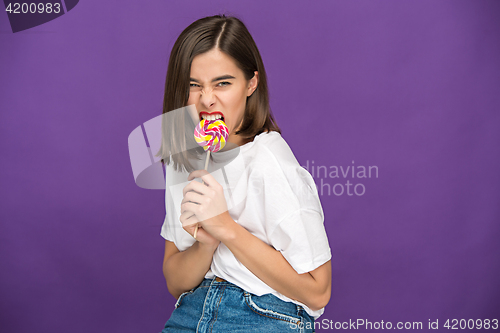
(206, 168)
(206, 161)
(195, 231)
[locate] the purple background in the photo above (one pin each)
(410, 87)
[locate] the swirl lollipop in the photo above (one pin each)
(212, 136)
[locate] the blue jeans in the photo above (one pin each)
(219, 306)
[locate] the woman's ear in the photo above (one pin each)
(253, 83)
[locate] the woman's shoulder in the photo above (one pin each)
(268, 136)
(272, 156)
(271, 148)
(275, 164)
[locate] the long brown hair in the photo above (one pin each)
(231, 36)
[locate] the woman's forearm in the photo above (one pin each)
(269, 265)
(185, 270)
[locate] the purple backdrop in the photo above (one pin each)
(409, 88)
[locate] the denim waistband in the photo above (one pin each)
(217, 305)
(216, 281)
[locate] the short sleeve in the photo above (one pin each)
(172, 229)
(302, 240)
(166, 229)
(293, 213)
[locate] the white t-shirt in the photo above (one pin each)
(270, 195)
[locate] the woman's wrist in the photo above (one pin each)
(221, 227)
(230, 230)
(208, 247)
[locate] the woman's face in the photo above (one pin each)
(218, 88)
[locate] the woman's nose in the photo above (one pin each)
(207, 98)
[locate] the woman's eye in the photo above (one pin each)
(194, 85)
(223, 84)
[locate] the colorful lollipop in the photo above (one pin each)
(212, 136)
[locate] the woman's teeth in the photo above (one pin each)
(211, 117)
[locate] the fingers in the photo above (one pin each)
(197, 174)
(188, 218)
(196, 187)
(193, 197)
(189, 207)
(207, 178)
(205, 200)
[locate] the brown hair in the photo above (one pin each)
(231, 36)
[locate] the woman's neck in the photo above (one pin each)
(237, 140)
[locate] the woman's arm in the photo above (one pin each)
(185, 270)
(206, 202)
(312, 288)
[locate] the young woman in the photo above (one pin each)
(261, 260)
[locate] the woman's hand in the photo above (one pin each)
(202, 236)
(204, 204)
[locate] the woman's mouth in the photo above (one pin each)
(211, 116)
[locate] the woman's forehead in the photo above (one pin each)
(213, 64)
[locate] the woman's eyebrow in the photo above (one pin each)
(223, 77)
